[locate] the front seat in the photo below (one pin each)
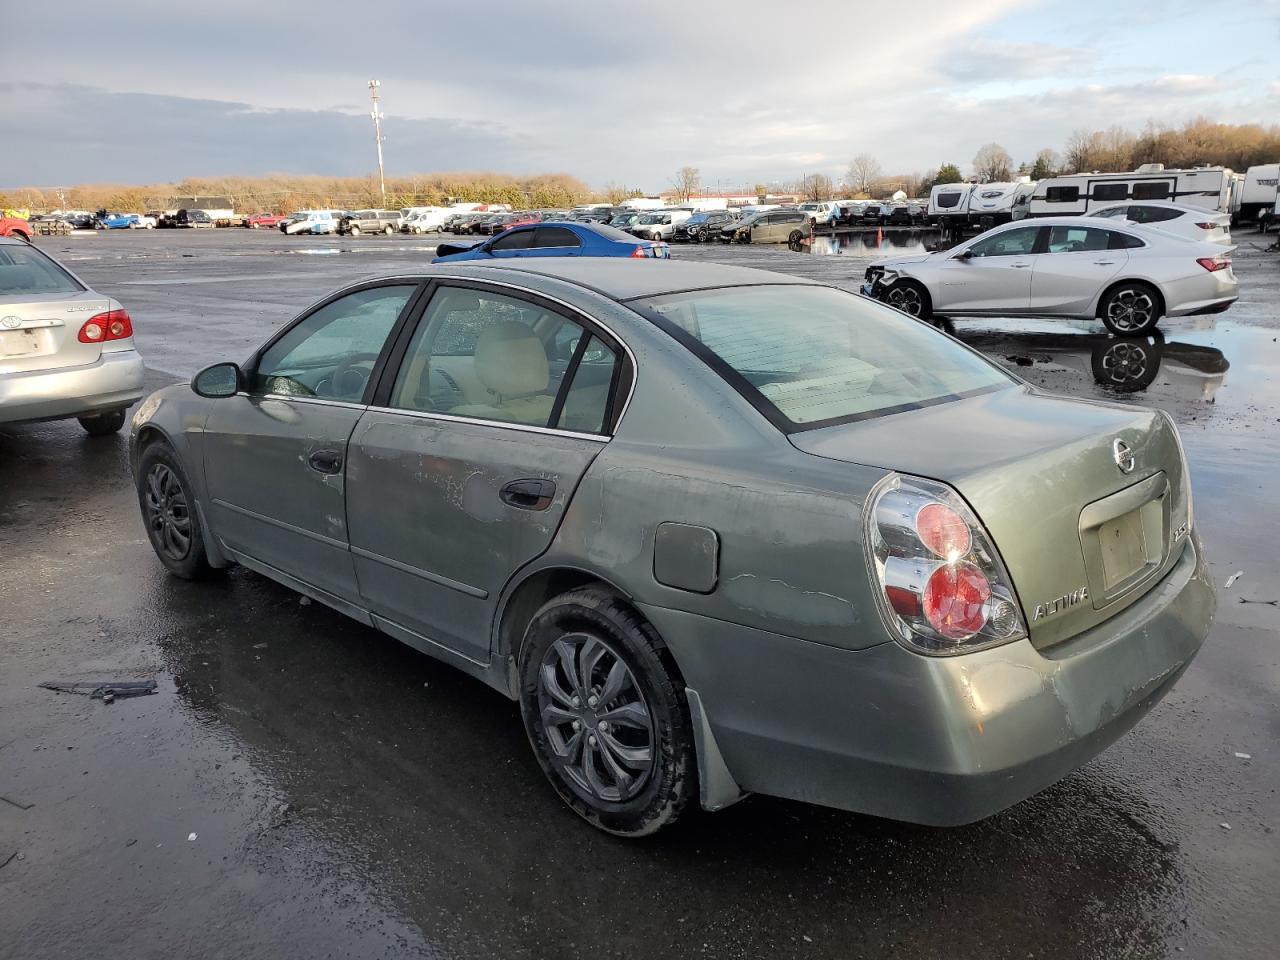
(511, 363)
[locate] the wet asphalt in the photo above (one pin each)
(301, 786)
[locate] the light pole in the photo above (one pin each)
(377, 136)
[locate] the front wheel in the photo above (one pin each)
(168, 509)
(911, 298)
(388, 230)
(605, 714)
(1130, 310)
(104, 424)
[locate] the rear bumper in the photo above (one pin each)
(941, 741)
(1211, 293)
(112, 383)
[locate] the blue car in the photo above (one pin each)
(555, 239)
(120, 221)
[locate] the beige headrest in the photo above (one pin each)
(511, 361)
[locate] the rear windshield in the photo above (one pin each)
(812, 356)
(27, 271)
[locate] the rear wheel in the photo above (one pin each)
(1131, 309)
(168, 509)
(355, 231)
(795, 238)
(103, 424)
(604, 713)
(911, 297)
(388, 230)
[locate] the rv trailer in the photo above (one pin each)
(1078, 194)
(949, 206)
(1257, 196)
(991, 204)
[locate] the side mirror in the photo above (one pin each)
(964, 255)
(218, 381)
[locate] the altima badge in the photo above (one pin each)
(1123, 455)
(1058, 604)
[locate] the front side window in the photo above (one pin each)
(493, 357)
(331, 353)
(25, 270)
(1077, 239)
(516, 240)
(808, 356)
(1010, 243)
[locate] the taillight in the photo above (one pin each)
(1214, 264)
(112, 325)
(638, 252)
(1206, 226)
(942, 587)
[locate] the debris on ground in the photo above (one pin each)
(1243, 756)
(5, 862)
(104, 690)
(1225, 826)
(191, 838)
(304, 601)
(1270, 603)
(1232, 579)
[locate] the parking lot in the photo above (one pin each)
(303, 786)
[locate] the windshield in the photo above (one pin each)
(651, 218)
(25, 271)
(810, 356)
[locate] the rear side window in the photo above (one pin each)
(812, 356)
(1110, 191)
(1062, 194)
(555, 237)
(1151, 191)
(1122, 241)
(1153, 214)
(1077, 239)
(25, 270)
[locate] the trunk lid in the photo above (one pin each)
(41, 331)
(1081, 538)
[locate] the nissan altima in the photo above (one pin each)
(1077, 267)
(717, 530)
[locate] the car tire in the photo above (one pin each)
(1130, 309)
(910, 297)
(795, 238)
(629, 775)
(354, 231)
(103, 424)
(1127, 364)
(168, 511)
(387, 230)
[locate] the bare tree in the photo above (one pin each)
(687, 182)
(1047, 164)
(817, 187)
(614, 193)
(992, 163)
(864, 171)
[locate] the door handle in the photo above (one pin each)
(1104, 263)
(325, 461)
(529, 494)
(1019, 266)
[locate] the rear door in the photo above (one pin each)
(551, 241)
(460, 472)
(275, 455)
(42, 310)
(995, 278)
(1076, 264)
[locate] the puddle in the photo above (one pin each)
(874, 243)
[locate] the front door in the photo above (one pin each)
(275, 456)
(1074, 267)
(994, 278)
(461, 471)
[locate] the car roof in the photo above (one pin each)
(623, 278)
(1169, 204)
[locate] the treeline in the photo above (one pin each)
(281, 193)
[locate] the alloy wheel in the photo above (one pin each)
(168, 515)
(906, 299)
(1125, 362)
(597, 723)
(1130, 310)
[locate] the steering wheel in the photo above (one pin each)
(347, 381)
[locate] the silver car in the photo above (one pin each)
(1080, 267)
(65, 350)
(717, 530)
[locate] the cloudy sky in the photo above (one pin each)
(620, 90)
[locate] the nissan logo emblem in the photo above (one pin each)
(1123, 456)
(10, 323)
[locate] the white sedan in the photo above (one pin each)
(1078, 267)
(1191, 223)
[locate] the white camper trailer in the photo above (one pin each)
(991, 204)
(949, 206)
(1078, 194)
(1257, 195)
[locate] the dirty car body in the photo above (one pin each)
(878, 572)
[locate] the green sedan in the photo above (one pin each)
(719, 531)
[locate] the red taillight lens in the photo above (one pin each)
(112, 325)
(955, 600)
(1214, 264)
(1206, 226)
(638, 252)
(943, 531)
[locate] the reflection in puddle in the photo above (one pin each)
(875, 243)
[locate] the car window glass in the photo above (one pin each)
(488, 356)
(24, 270)
(1151, 191)
(587, 400)
(331, 353)
(1154, 214)
(516, 240)
(1076, 239)
(1011, 243)
(555, 237)
(1122, 241)
(817, 354)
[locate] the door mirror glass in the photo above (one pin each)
(219, 380)
(963, 255)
